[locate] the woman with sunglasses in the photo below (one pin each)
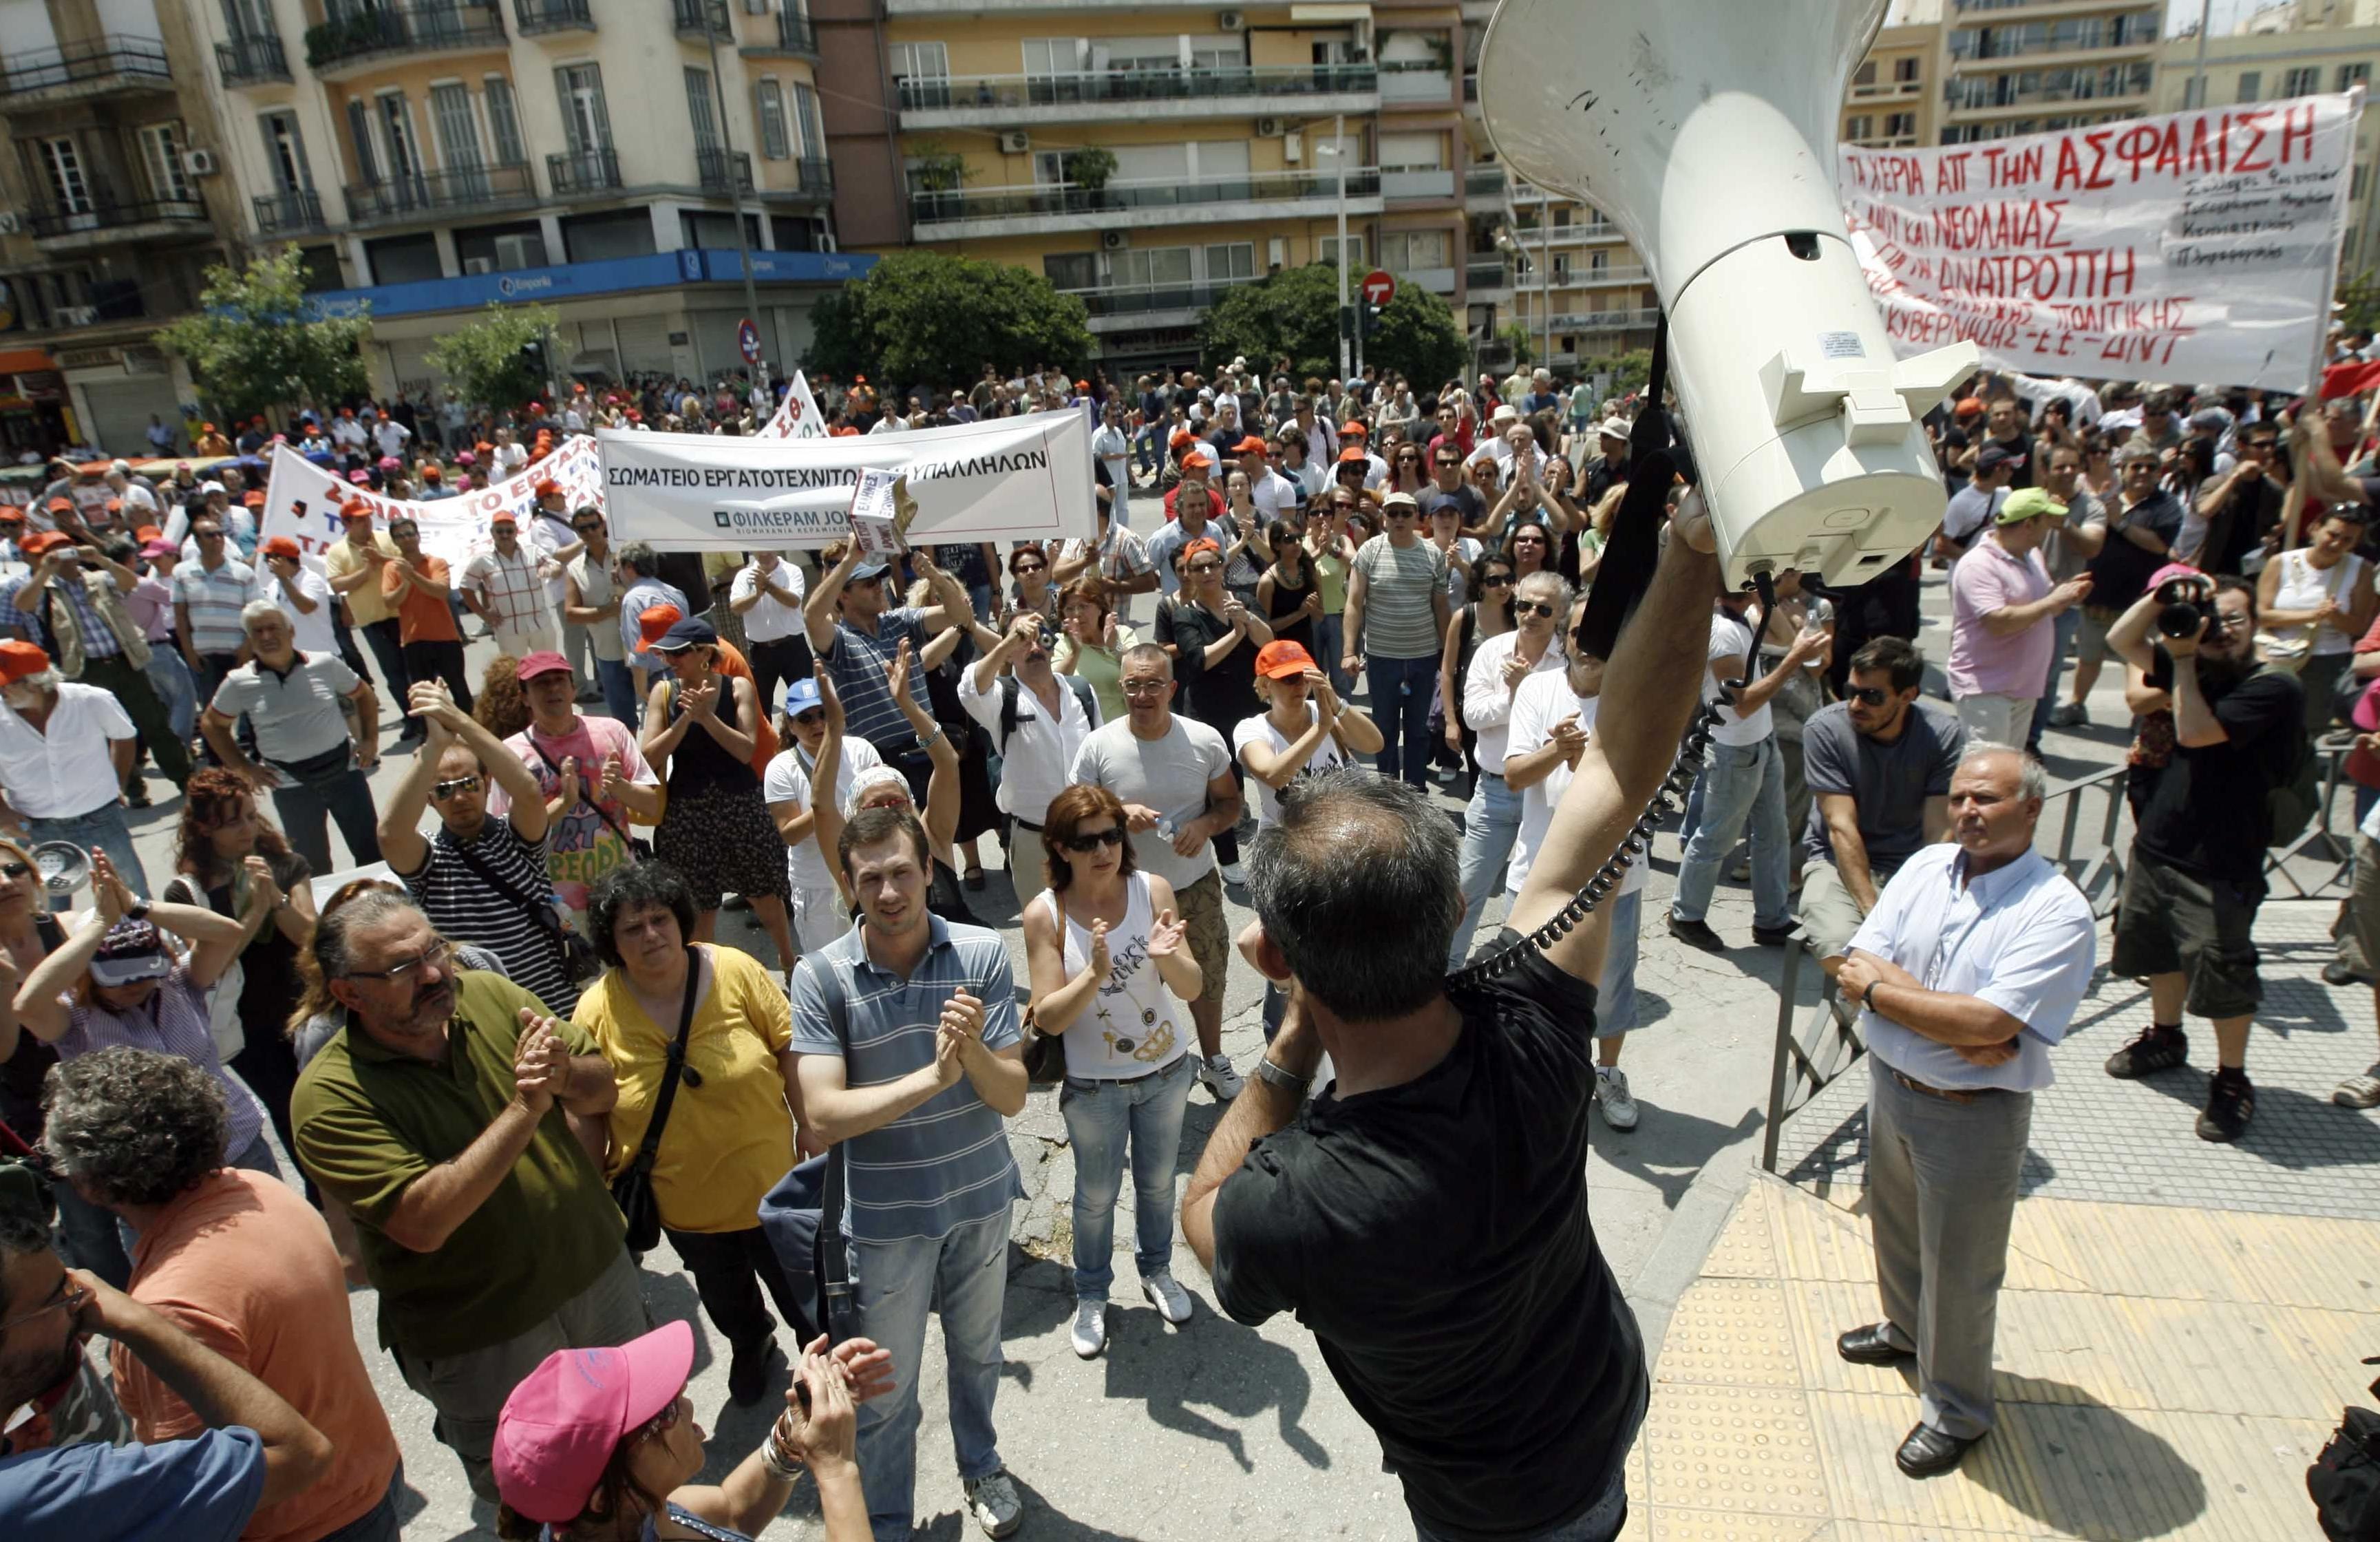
(1092, 640)
(1111, 973)
(1247, 550)
(600, 1445)
(1029, 586)
(1332, 555)
(1288, 596)
(1213, 639)
(1409, 470)
(1488, 615)
(1531, 546)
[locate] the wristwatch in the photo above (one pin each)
(137, 911)
(1268, 1069)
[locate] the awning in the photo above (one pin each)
(17, 361)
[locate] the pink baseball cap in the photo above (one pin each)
(544, 662)
(560, 1426)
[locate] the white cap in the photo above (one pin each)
(1505, 413)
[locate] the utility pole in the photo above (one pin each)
(2198, 72)
(711, 11)
(1339, 154)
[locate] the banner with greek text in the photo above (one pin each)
(2198, 247)
(302, 501)
(1007, 478)
(797, 417)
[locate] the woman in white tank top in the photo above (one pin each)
(2314, 602)
(1111, 973)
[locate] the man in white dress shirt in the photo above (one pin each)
(1965, 973)
(768, 592)
(1046, 717)
(65, 751)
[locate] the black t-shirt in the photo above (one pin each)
(1435, 1240)
(2121, 571)
(1218, 695)
(2020, 446)
(2205, 811)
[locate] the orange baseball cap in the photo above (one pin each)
(1251, 446)
(1282, 659)
(654, 624)
(1351, 455)
(20, 659)
(1181, 437)
(281, 546)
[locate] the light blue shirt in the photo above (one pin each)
(2020, 937)
(946, 1163)
(642, 596)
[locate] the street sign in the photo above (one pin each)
(748, 338)
(1378, 287)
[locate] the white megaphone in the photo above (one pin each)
(1705, 129)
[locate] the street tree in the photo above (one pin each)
(497, 360)
(1296, 313)
(256, 342)
(920, 318)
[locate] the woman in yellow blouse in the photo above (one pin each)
(730, 1134)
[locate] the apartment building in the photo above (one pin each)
(1895, 97)
(1150, 156)
(2033, 67)
(2298, 50)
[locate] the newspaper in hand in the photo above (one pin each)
(881, 512)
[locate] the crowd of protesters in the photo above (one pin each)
(1363, 593)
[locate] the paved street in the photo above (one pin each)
(1220, 1428)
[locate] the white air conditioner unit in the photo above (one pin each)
(77, 315)
(478, 264)
(520, 252)
(9, 222)
(1271, 129)
(1114, 240)
(199, 162)
(1015, 142)
(1231, 21)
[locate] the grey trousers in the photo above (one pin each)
(1941, 1190)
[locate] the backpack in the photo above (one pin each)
(1009, 689)
(2344, 1481)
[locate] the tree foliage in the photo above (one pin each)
(921, 318)
(1296, 313)
(2359, 300)
(253, 344)
(483, 362)
(1628, 372)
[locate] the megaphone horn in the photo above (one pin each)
(1697, 126)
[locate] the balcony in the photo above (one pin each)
(102, 221)
(1096, 96)
(340, 47)
(813, 179)
(1990, 98)
(252, 62)
(1605, 321)
(289, 212)
(711, 166)
(532, 16)
(1483, 272)
(432, 194)
(1025, 210)
(582, 173)
(101, 68)
(1416, 182)
(1422, 84)
(796, 34)
(1484, 181)
(697, 21)
(1152, 305)
(1437, 281)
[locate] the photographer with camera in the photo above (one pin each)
(2196, 876)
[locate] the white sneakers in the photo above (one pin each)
(1234, 875)
(995, 1504)
(1090, 1329)
(1220, 1079)
(1611, 1099)
(1165, 1293)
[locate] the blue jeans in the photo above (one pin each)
(1400, 696)
(1489, 826)
(1100, 1115)
(1740, 782)
(1330, 634)
(170, 678)
(1615, 996)
(2069, 622)
(101, 829)
(963, 1277)
(311, 801)
(619, 689)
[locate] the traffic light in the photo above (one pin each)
(532, 356)
(1368, 317)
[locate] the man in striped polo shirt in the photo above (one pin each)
(857, 628)
(910, 1058)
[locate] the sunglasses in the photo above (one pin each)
(444, 790)
(1496, 580)
(587, 529)
(816, 714)
(1532, 607)
(1024, 568)
(437, 954)
(1867, 696)
(1205, 567)
(1090, 841)
(68, 1297)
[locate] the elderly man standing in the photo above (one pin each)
(505, 587)
(142, 1134)
(2004, 615)
(1965, 973)
(72, 601)
(314, 770)
(65, 750)
(463, 1126)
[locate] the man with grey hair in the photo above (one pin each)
(1967, 970)
(142, 1133)
(2141, 528)
(254, 1451)
(313, 756)
(1459, 1113)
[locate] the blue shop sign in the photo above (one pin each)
(666, 270)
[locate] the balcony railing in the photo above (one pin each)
(1142, 300)
(995, 203)
(293, 209)
(813, 178)
(429, 193)
(405, 29)
(532, 16)
(930, 93)
(133, 60)
(794, 34)
(49, 222)
(252, 62)
(711, 167)
(1488, 276)
(695, 19)
(1483, 181)
(1884, 90)
(582, 172)
(1603, 320)
(1416, 80)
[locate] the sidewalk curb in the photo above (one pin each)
(1676, 1261)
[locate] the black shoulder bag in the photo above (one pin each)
(580, 963)
(633, 1189)
(838, 1312)
(639, 846)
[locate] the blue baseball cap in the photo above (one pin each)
(801, 695)
(692, 632)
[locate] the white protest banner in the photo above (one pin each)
(302, 501)
(2197, 247)
(1007, 478)
(797, 417)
